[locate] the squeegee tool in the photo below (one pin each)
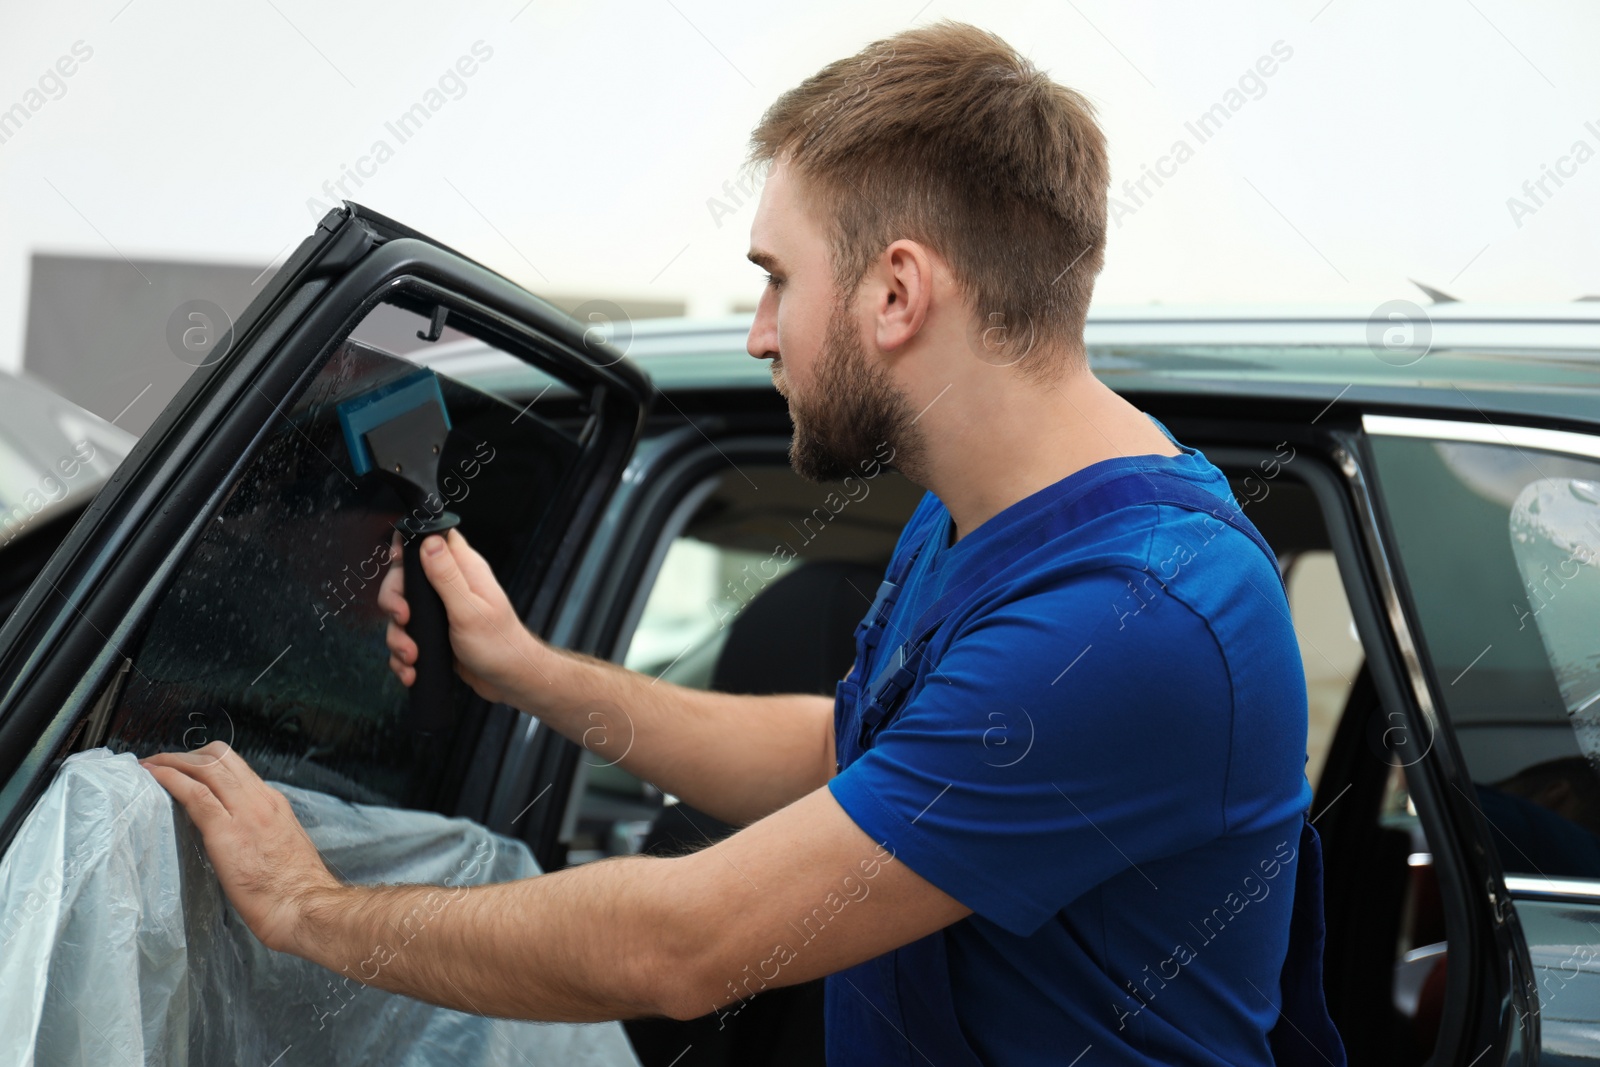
(397, 432)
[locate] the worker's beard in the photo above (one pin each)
(854, 417)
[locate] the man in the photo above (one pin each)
(1070, 825)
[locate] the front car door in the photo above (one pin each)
(222, 586)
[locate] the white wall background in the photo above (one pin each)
(581, 155)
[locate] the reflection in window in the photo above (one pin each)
(1555, 523)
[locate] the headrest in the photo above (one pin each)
(798, 634)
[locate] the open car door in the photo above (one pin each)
(223, 584)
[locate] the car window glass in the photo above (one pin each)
(269, 637)
(1497, 546)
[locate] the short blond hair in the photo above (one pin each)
(944, 134)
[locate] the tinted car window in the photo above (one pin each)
(269, 637)
(1498, 549)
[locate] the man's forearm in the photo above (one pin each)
(735, 757)
(579, 945)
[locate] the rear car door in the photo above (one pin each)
(222, 585)
(1495, 529)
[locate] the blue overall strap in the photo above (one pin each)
(871, 628)
(1312, 1040)
(877, 619)
(903, 665)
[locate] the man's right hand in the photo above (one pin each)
(494, 652)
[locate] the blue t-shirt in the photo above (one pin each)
(1106, 763)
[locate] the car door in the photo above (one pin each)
(1493, 530)
(222, 585)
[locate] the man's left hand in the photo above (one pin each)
(262, 856)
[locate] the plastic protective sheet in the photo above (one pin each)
(117, 945)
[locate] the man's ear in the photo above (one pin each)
(904, 294)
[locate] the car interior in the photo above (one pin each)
(728, 611)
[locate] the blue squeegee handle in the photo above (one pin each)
(429, 627)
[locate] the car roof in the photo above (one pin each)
(1533, 358)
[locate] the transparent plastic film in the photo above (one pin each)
(118, 946)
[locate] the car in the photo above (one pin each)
(54, 457)
(1428, 478)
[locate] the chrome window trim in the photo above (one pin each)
(1533, 887)
(1488, 433)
